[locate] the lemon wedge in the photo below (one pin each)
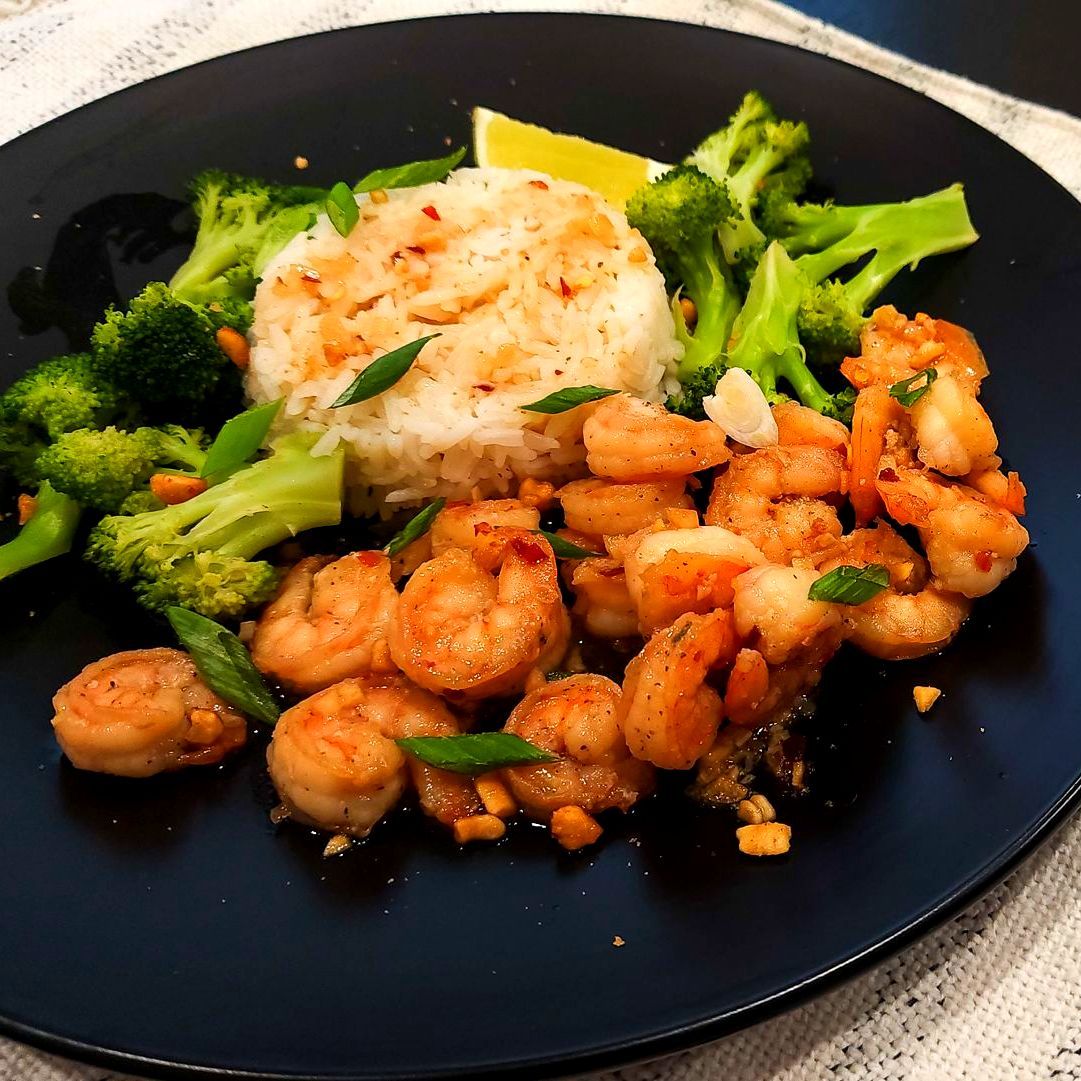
(500, 141)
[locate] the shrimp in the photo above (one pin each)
(675, 571)
(669, 713)
(913, 617)
(455, 526)
(329, 621)
(953, 432)
(462, 629)
(602, 601)
(775, 498)
(971, 542)
(628, 440)
(874, 416)
(600, 508)
(578, 720)
(335, 765)
(141, 712)
(799, 426)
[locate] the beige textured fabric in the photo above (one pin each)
(996, 994)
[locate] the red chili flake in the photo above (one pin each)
(368, 559)
(564, 288)
(538, 184)
(529, 551)
(889, 476)
(416, 249)
(431, 212)
(483, 386)
(984, 561)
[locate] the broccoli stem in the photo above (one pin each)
(716, 299)
(48, 533)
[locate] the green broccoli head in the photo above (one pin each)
(829, 323)
(164, 353)
(698, 385)
(217, 586)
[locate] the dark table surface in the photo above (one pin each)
(1027, 48)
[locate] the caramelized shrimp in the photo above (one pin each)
(669, 713)
(138, 713)
(336, 766)
(953, 432)
(455, 526)
(329, 621)
(597, 507)
(628, 439)
(578, 720)
(799, 426)
(463, 629)
(775, 498)
(602, 600)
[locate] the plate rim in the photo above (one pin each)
(685, 1037)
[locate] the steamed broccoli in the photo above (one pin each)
(48, 533)
(200, 554)
(164, 353)
(243, 224)
(60, 395)
(752, 153)
(680, 214)
(826, 238)
(765, 339)
(101, 469)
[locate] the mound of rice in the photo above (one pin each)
(533, 285)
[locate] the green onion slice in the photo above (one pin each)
(474, 753)
(909, 391)
(381, 374)
(850, 585)
(565, 549)
(224, 664)
(342, 208)
(416, 527)
(570, 398)
(240, 438)
(411, 175)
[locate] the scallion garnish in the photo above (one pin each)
(565, 549)
(240, 438)
(341, 208)
(474, 753)
(850, 585)
(416, 527)
(909, 391)
(381, 374)
(224, 664)
(410, 175)
(570, 398)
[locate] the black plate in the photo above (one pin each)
(165, 925)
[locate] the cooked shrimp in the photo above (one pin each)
(141, 712)
(602, 601)
(798, 426)
(883, 545)
(774, 498)
(628, 439)
(461, 629)
(674, 571)
(670, 714)
(972, 543)
(329, 621)
(336, 766)
(577, 719)
(953, 432)
(874, 416)
(455, 526)
(599, 507)
(1005, 489)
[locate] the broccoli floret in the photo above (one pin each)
(826, 238)
(164, 353)
(754, 152)
(60, 395)
(48, 533)
(101, 469)
(243, 224)
(680, 214)
(200, 554)
(695, 387)
(765, 338)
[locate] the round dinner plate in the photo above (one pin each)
(166, 927)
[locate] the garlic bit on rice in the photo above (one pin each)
(532, 284)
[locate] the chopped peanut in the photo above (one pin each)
(925, 697)
(300, 162)
(235, 346)
(574, 828)
(378, 196)
(495, 796)
(636, 255)
(171, 488)
(537, 493)
(478, 828)
(756, 809)
(619, 941)
(338, 844)
(690, 312)
(27, 505)
(204, 726)
(764, 839)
